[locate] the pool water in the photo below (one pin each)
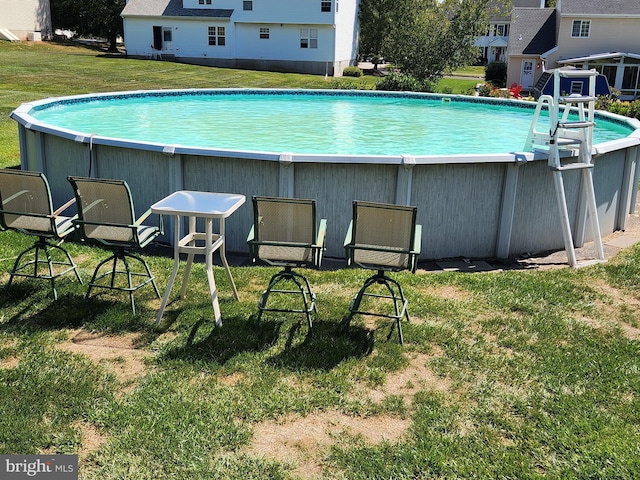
(306, 123)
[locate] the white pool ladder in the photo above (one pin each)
(570, 135)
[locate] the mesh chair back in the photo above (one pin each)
(25, 202)
(105, 210)
(383, 234)
(285, 229)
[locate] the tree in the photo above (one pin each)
(100, 18)
(425, 38)
(376, 20)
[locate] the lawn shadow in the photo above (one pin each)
(323, 350)
(326, 348)
(221, 344)
(26, 309)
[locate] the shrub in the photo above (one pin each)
(484, 90)
(402, 82)
(496, 74)
(342, 84)
(634, 109)
(352, 72)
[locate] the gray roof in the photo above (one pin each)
(600, 7)
(526, 3)
(170, 8)
(501, 11)
(533, 31)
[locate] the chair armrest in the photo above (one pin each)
(417, 240)
(64, 207)
(320, 240)
(322, 231)
(251, 242)
(416, 247)
(348, 244)
(142, 218)
(146, 215)
(347, 238)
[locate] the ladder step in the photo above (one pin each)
(588, 263)
(573, 166)
(576, 124)
(564, 141)
(569, 73)
(577, 99)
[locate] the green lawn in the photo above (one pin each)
(506, 374)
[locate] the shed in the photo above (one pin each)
(570, 85)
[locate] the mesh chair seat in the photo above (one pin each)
(286, 255)
(26, 206)
(285, 233)
(383, 237)
(106, 215)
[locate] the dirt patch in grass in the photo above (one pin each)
(9, 362)
(118, 353)
(613, 310)
(92, 439)
(303, 441)
(406, 383)
(449, 292)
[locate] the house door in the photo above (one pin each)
(526, 77)
(157, 38)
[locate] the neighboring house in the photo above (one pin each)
(533, 33)
(25, 19)
(599, 34)
(494, 43)
(313, 36)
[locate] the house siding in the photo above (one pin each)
(614, 27)
(22, 17)
(336, 36)
(606, 35)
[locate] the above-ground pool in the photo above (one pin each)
(460, 159)
(326, 123)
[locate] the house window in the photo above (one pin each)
(609, 71)
(580, 28)
(203, 2)
(264, 32)
(630, 80)
(308, 38)
(325, 5)
(217, 36)
(247, 5)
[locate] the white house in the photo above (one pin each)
(306, 36)
(25, 19)
(494, 42)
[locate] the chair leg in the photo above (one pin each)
(43, 246)
(396, 296)
(129, 283)
(17, 263)
(121, 255)
(354, 306)
(151, 278)
(94, 277)
(304, 289)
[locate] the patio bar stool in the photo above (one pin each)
(285, 233)
(385, 238)
(26, 206)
